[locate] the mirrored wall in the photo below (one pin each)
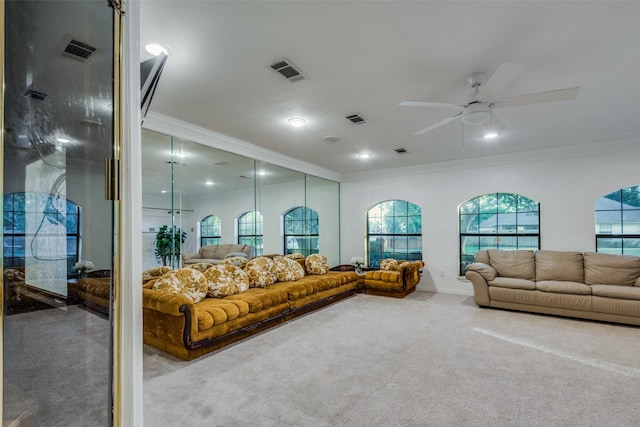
(217, 197)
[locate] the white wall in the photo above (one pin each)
(566, 185)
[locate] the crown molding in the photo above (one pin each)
(573, 151)
(168, 125)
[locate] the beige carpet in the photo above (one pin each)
(426, 360)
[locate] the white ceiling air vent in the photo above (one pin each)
(286, 69)
(78, 50)
(34, 94)
(357, 119)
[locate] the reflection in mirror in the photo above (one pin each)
(278, 190)
(323, 196)
(58, 227)
(217, 197)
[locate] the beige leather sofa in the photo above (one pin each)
(213, 254)
(586, 285)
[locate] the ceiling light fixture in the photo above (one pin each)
(493, 128)
(297, 122)
(156, 49)
(476, 113)
(364, 156)
(209, 182)
(63, 140)
(262, 173)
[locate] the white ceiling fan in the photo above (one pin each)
(478, 110)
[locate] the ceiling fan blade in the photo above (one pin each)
(568, 94)
(429, 104)
(505, 73)
(437, 125)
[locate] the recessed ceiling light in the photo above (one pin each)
(163, 191)
(63, 140)
(297, 122)
(209, 182)
(156, 49)
(490, 135)
(262, 173)
(364, 156)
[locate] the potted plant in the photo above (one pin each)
(168, 242)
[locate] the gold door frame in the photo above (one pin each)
(118, 12)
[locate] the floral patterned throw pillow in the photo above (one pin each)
(287, 270)
(238, 261)
(200, 266)
(316, 264)
(260, 272)
(226, 279)
(186, 281)
(388, 264)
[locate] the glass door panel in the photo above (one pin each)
(57, 226)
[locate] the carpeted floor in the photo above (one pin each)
(426, 360)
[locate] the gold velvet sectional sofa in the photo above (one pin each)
(585, 285)
(175, 324)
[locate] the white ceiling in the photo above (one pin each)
(366, 56)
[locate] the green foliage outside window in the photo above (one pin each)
(250, 230)
(210, 231)
(394, 230)
(301, 231)
(497, 221)
(617, 218)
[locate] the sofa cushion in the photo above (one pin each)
(559, 265)
(238, 261)
(388, 264)
(518, 264)
(482, 256)
(208, 252)
(287, 270)
(317, 264)
(563, 287)
(185, 281)
(225, 279)
(485, 270)
(510, 282)
(261, 272)
(607, 269)
(613, 291)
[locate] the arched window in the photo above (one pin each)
(40, 226)
(210, 230)
(394, 230)
(497, 221)
(301, 231)
(618, 222)
(250, 230)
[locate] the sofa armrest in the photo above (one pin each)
(410, 271)
(166, 303)
(480, 288)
